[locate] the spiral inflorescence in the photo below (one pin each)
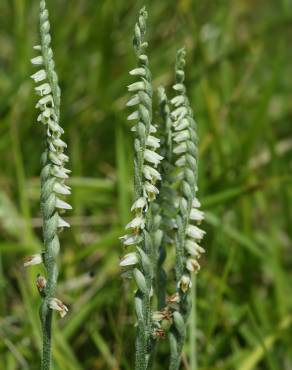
(188, 234)
(53, 176)
(144, 234)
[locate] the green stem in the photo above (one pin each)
(193, 327)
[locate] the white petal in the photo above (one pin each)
(136, 86)
(42, 103)
(150, 188)
(153, 141)
(193, 248)
(62, 205)
(56, 304)
(181, 125)
(151, 173)
(133, 116)
(133, 101)
(139, 204)
(152, 157)
(129, 239)
(43, 89)
(63, 157)
(138, 72)
(181, 161)
(185, 283)
(129, 259)
(181, 136)
(179, 112)
(196, 215)
(178, 100)
(137, 222)
(61, 189)
(35, 259)
(59, 172)
(179, 87)
(37, 61)
(62, 223)
(195, 232)
(181, 148)
(39, 76)
(196, 203)
(192, 265)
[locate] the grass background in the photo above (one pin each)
(239, 79)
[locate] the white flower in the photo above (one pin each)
(37, 61)
(181, 125)
(179, 87)
(181, 161)
(60, 172)
(196, 215)
(129, 239)
(56, 304)
(42, 103)
(129, 259)
(60, 143)
(133, 116)
(62, 205)
(138, 72)
(151, 173)
(153, 141)
(194, 249)
(61, 189)
(181, 136)
(192, 265)
(152, 129)
(133, 101)
(178, 100)
(139, 204)
(152, 157)
(150, 189)
(181, 148)
(43, 89)
(39, 76)
(35, 259)
(196, 203)
(63, 157)
(137, 223)
(136, 86)
(185, 283)
(62, 223)
(195, 232)
(179, 113)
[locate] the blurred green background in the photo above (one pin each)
(239, 78)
